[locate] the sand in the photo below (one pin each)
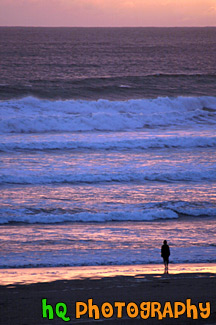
(22, 304)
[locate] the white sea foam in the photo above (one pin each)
(101, 176)
(150, 211)
(102, 143)
(145, 215)
(197, 255)
(31, 115)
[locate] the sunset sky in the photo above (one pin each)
(108, 12)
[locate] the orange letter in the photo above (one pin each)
(93, 308)
(132, 310)
(191, 308)
(119, 306)
(155, 308)
(145, 307)
(107, 310)
(167, 310)
(205, 312)
(178, 312)
(78, 311)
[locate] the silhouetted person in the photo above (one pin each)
(165, 253)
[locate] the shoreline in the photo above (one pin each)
(22, 304)
(26, 276)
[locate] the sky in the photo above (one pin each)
(111, 13)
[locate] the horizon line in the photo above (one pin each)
(32, 26)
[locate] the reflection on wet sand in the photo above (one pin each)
(33, 275)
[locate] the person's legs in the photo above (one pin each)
(164, 265)
(166, 262)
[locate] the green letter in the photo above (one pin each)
(61, 313)
(47, 308)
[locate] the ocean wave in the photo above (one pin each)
(100, 176)
(152, 142)
(122, 85)
(65, 261)
(149, 212)
(50, 218)
(32, 115)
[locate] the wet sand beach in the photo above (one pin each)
(22, 304)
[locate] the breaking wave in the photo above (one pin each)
(32, 115)
(149, 212)
(99, 176)
(65, 143)
(49, 218)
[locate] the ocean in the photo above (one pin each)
(108, 146)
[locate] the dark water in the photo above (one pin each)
(124, 159)
(111, 63)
